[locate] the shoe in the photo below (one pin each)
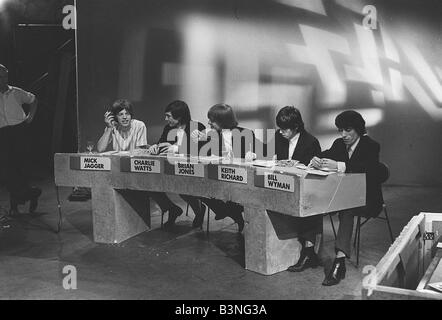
(199, 218)
(174, 213)
(336, 274)
(307, 259)
(33, 201)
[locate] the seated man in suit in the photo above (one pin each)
(354, 152)
(293, 142)
(230, 139)
(176, 139)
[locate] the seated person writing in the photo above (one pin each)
(230, 139)
(177, 116)
(354, 152)
(293, 142)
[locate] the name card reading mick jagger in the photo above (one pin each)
(189, 169)
(95, 163)
(279, 182)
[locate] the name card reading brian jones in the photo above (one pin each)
(237, 175)
(279, 182)
(95, 163)
(189, 169)
(145, 165)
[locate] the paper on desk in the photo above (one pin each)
(264, 163)
(318, 172)
(436, 286)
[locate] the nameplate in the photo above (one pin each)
(232, 174)
(189, 169)
(95, 163)
(280, 182)
(145, 165)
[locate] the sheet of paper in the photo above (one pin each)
(318, 172)
(264, 163)
(436, 286)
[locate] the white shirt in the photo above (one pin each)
(136, 137)
(227, 140)
(341, 165)
(180, 136)
(11, 111)
(292, 144)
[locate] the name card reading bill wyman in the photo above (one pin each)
(95, 163)
(238, 175)
(279, 182)
(189, 169)
(145, 165)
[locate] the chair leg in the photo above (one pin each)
(333, 226)
(208, 219)
(187, 210)
(162, 218)
(388, 224)
(358, 231)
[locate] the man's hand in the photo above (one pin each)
(198, 136)
(109, 119)
(250, 156)
(154, 149)
(315, 163)
(29, 118)
(329, 164)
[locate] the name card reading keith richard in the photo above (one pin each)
(189, 169)
(279, 182)
(145, 165)
(230, 174)
(95, 163)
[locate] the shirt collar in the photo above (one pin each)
(354, 145)
(294, 139)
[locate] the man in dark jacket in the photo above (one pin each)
(354, 152)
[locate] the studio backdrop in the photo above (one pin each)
(322, 56)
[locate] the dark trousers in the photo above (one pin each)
(224, 209)
(345, 229)
(166, 204)
(13, 161)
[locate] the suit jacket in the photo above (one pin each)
(306, 148)
(243, 144)
(365, 159)
(184, 148)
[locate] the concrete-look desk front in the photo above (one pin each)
(120, 207)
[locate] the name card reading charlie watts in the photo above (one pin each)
(279, 182)
(145, 165)
(230, 174)
(95, 163)
(189, 169)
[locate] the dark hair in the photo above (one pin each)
(122, 104)
(289, 117)
(223, 115)
(179, 110)
(351, 119)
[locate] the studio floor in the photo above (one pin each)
(181, 263)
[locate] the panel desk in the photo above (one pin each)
(120, 207)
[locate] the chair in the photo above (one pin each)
(383, 175)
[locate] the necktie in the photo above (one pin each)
(349, 152)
